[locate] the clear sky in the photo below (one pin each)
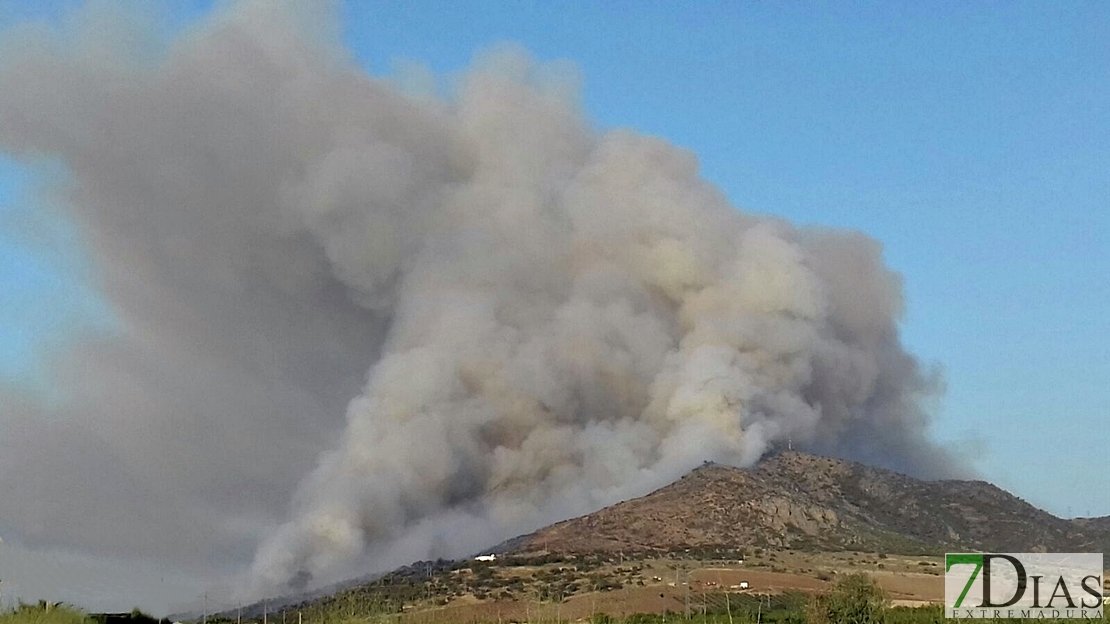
(972, 139)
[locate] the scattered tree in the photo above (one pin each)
(855, 599)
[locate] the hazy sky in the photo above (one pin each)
(969, 138)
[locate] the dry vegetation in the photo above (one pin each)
(575, 587)
(851, 598)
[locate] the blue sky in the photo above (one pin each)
(970, 138)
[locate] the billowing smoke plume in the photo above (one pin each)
(525, 317)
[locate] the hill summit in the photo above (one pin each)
(799, 501)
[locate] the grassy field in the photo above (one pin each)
(757, 585)
(836, 608)
(849, 598)
(527, 588)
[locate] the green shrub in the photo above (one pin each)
(44, 614)
(855, 599)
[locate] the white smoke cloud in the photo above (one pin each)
(553, 317)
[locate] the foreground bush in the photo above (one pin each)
(44, 614)
(855, 599)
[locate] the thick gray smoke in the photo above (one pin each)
(428, 323)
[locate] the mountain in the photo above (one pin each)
(792, 501)
(798, 501)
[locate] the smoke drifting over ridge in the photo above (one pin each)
(367, 324)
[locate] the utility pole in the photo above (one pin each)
(265, 612)
(687, 584)
(239, 614)
(728, 603)
(205, 607)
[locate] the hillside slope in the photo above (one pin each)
(794, 500)
(789, 501)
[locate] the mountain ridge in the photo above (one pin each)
(788, 501)
(800, 501)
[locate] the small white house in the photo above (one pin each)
(486, 558)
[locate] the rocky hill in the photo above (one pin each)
(798, 501)
(789, 501)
